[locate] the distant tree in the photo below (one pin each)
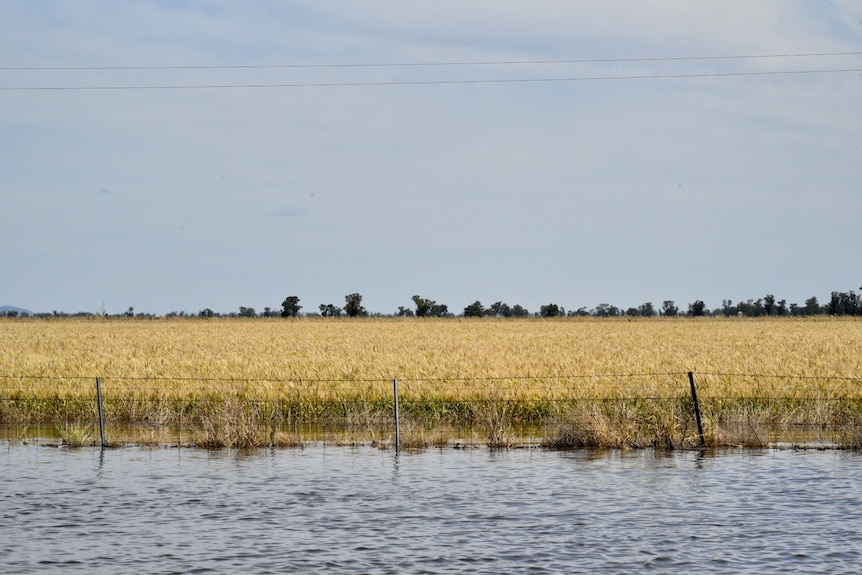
(550, 310)
(845, 303)
(353, 305)
(697, 308)
(835, 307)
(646, 309)
(769, 305)
(423, 306)
(439, 310)
(404, 311)
(812, 306)
(727, 308)
(290, 306)
(429, 308)
(781, 307)
(759, 308)
(518, 311)
(206, 312)
(247, 312)
(750, 308)
(669, 309)
(330, 310)
(606, 310)
(130, 312)
(475, 309)
(499, 309)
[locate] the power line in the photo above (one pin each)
(429, 64)
(426, 82)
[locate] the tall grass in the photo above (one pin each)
(594, 382)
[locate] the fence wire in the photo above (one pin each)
(574, 410)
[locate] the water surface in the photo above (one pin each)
(363, 510)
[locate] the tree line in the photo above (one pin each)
(839, 304)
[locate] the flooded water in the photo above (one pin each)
(363, 510)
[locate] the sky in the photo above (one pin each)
(172, 156)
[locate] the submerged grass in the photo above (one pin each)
(76, 435)
(586, 382)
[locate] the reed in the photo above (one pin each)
(588, 382)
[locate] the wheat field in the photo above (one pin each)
(524, 369)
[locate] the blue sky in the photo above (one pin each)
(575, 192)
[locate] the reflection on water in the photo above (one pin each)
(349, 510)
(731, 434)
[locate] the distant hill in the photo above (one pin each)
(5, 309)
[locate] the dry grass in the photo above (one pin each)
(239, 380)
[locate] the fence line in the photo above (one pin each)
(660, 400)
(555, 388)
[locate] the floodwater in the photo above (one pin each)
(329, 509)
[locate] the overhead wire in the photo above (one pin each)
(424, 82)
(429, 82)
(431, 64)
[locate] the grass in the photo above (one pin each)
(76, 435)
(587, 382)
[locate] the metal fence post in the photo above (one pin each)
(397, 419)
(101, 412)
(696, 410)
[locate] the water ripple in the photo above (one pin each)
(472, 511)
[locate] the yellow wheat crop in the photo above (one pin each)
(600, 382)
(271, 355)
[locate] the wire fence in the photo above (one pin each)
(663, 410)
